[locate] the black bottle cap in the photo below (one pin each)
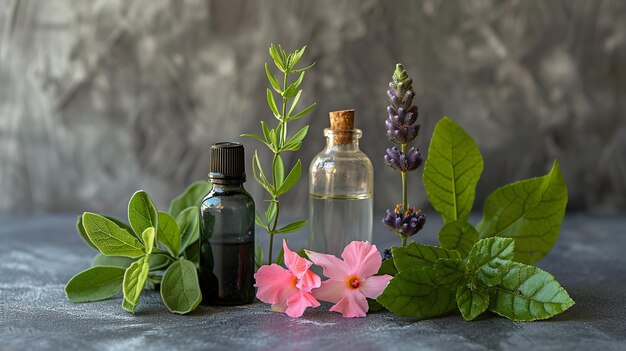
(227, 162)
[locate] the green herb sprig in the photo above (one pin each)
(158, 250)
(277, 141)
(487, 267)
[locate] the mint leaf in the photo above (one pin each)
(169, 233)
(192, 196)
(471, 303)
(180, 289)
(416, 294)
(141, 212)
(148, 239)
(529, 211)
(109, 238)
(189, 226)
(490, 257)
(387, 267)
(83, 234)
(459, 236)
(112, 261)
(528, 293)
(452, 170)
(134, 281)
(450, 273)
(416, 255)
(95, 284)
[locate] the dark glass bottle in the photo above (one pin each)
(227, 231)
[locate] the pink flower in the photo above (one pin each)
(288, 290)
(352, 280)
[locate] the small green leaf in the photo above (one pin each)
(159, 262)
(169, 233)
(489, 258)
(528, 293)
(83, 234)
(180, 289)
(278, 61)
(292, 227)
(111, 261)
(416, 294)
(298, 137)
(189, 225)
(297, 55)
(471, 303)
(298, 70)
(259, 221)
(302, 113)
(281, 257)
(272, 104)
(270, 212)
(459, 236)
(291, 179)
(452, 170)
(192, 252)
(293, 88)
(416, 255)
(109, 238)
(192, 196)
(450, 273)
(141, 212)
(253, 136)
(529, 211)
(294, 102)
(95, 284)
(258, 256)
(260, 177)
(148, 239)
(266, 132)
(134, 281)
(272, 79)
(279, 170)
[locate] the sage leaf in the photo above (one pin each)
(148, 240)
(95, 284)
(452, 170)
(112, 261)
(490, 257)
(109, 238)
(123, 225)
(528, 293)
(141, 212)
(450, 273)
(159, 262)
(169, 233)
(292, 227)
(416, 294)
(192, 196)
(83, 234)
(192, 252)
(459, 236)
(471, 303)
(180, 289)
(189, 226)
(416, 255)
(134, 281)
(529, 211)
(291, 179)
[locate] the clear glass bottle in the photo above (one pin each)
(227, 231)
(341, 186)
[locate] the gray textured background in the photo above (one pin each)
(100, 98)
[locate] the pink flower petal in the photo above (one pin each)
(309, 281)
(373, 286)
(353, 304)
(275, 284)
(298, 302)
(362, 258)
(331, 291)
(296, 264)
(333, 268)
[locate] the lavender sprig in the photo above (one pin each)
(402, 128)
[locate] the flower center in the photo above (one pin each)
(353, 282)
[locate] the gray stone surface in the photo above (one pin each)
(100, 98)
(38, 254)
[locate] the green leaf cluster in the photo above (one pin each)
(157, 250)
(277, 139)
(487, 267)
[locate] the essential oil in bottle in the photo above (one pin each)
(227, 231)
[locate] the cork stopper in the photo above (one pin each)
(342, 123)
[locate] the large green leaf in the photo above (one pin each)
(459, 236)
(489, 259)
(83, 234)
(95, 284)
(180, 289)
(189, 224)
(416, 255)
(529, 211)
(114, 261)
(527, 293)
(141, 212)
(450, 273)
(192, 196)
(452, 170)
(471, 303)
(109, 238)
(134, 281)
(416, 294)
(169, 233)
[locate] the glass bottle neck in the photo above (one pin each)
(342, 140)
(226, 184)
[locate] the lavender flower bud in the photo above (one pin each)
(402, 162)
(402, 116)
(405, 223)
